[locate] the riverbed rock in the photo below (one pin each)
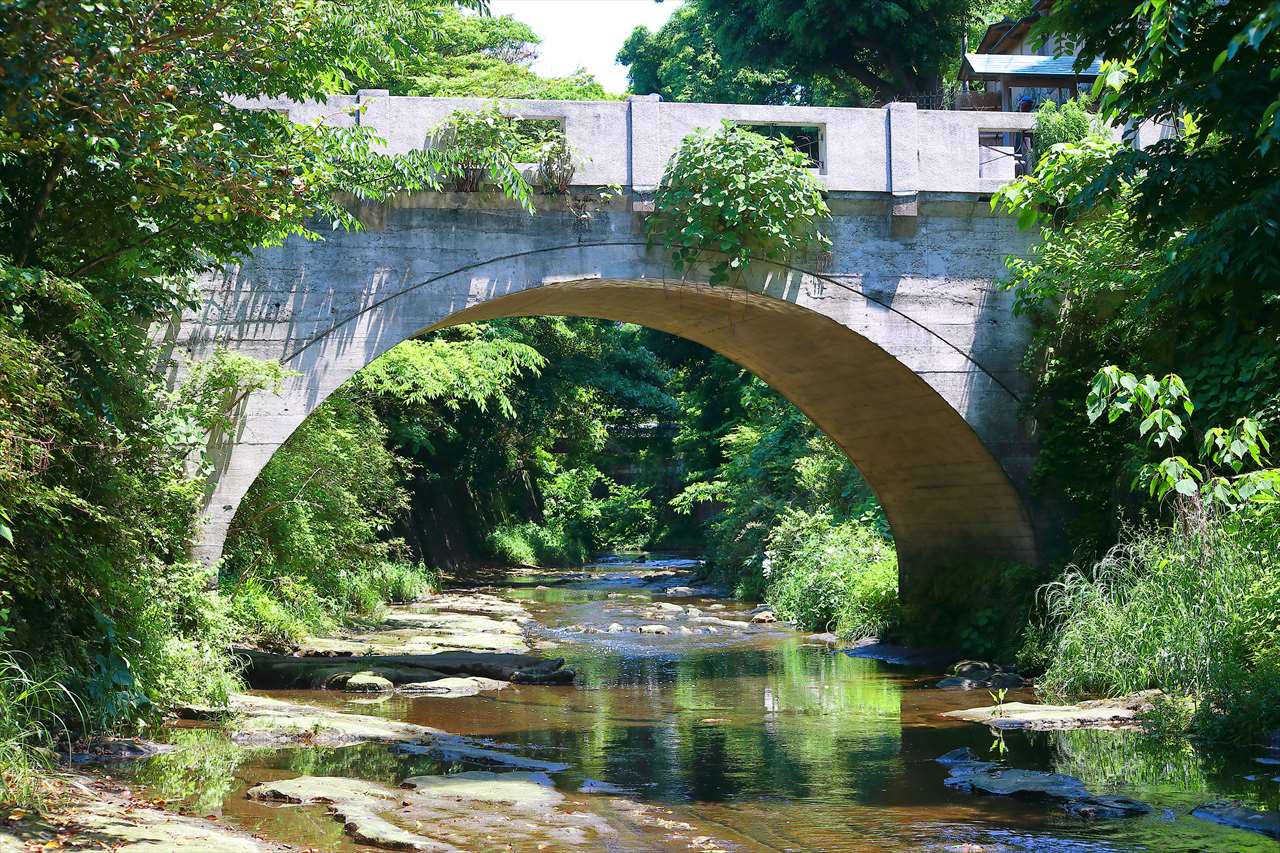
(89, 813)
(764, 617)
(615, 628)
(464, 811)
(1024, 715)
(654, 629)
(968, 773)
(261, 721)
(974, 675)
(367, 682)
(454, 687)
(108, 750)
(268, 671)
(1240, 816)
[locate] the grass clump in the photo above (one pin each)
(1194, 612)
(532, 544)
(828, 576)
(278, 612)
(29, 731)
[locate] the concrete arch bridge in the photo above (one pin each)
(897, 343)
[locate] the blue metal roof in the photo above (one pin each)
(986, 65)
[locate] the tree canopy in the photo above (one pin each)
(891, 50)
(484, 55)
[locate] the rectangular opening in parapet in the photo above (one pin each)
(533, 132)
(808, 138)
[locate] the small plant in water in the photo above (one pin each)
(997, 699)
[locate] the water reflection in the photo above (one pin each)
(763, 740)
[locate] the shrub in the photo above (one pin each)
(1070, 122)
(826, 576)
(533, 544)
(737, 195)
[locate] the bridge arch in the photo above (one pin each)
(912, 401)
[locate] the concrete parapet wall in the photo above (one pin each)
(896, 149)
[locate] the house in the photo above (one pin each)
(1017, 76)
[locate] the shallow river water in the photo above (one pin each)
(758, 741)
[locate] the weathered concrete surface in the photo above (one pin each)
(898, 345)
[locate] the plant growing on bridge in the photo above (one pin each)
(736, 196)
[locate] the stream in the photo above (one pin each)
(749, 737)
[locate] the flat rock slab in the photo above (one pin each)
(986, 777)
(89, 815)
(455, 621)
(270, 722)
(268, 671)
(466, 811)
(454, 687)
(1024, 715)
(1239, 816)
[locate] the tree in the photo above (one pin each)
(891, 49)
(1204, 69)
(476, 55)
(681, 62)
(126, 167)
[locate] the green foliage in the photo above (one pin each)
(886, 50)
(1209, 191)
(681, 62)
(737, 196)
(829, 576)
(483, 55)
(531, 544)
(29, 731)
(1189, 610)
(309, 548)
(483, 144)
(1220, 479)
(1056, 124)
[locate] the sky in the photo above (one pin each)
(585, 33)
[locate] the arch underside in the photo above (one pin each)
(946, 497)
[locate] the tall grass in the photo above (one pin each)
(532, 544)
(831, 577)
(29, 731)
(278, 612)
(1195, 613)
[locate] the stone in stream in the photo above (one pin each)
(615, 628)
(654, 629)
(764, 617)
(268, 671)
(367, 682)
(271, 722)
(454, 687)
(1024, 715)
(1239, 816)
(968, 773)
(464, 811)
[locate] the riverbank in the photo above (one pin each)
(747, 737)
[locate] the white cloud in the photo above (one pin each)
(585, 33)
